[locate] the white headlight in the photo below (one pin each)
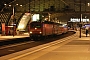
(30, 32)
(40, 32)
(35, 28)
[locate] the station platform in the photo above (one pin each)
(3, 38)
(69, 48)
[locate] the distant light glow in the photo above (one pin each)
(16, 4)
(88, 4)
(10, 5)
(64, 24)
(46, 19)
(20, 5)
(5, 4)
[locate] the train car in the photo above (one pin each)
(59, 29)
(43, 29)
(64, 28)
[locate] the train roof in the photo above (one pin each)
(47, 22)
(43, 22)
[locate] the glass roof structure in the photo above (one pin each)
(49, 5)
(57, 8)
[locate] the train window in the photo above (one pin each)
(36, 25)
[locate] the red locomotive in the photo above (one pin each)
(43, 29)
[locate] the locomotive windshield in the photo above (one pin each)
(35, 25)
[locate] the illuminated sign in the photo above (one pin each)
(35, 17)
(78, 20)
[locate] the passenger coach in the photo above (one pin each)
(43, 29)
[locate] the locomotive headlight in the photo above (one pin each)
(30, 32)
(35, 28)
(40, 32)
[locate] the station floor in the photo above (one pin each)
(13, 37)
(69, 48)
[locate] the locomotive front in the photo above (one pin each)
(35, 29)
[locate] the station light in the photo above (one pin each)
(88, 4)
(20, 5)
(16, 4)
(5, 4)
(9, 5)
